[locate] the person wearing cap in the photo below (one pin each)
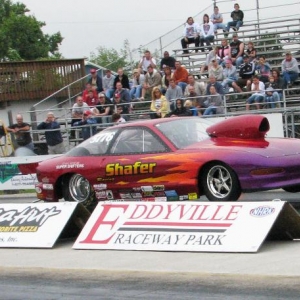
(247, 70)
(229, 74)
(123, 78)
(103, 109)
(152, 80)
(88, 125)
(237, 16)
(138, 81)
(147, 60)
(190, 35)
(95, 80)
(167, 61)
(258, 97)
(289, 69)
(108, 84)
(237, 48)
(180, 110)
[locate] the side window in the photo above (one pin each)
(137, 140)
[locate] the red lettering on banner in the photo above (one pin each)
(154, 206)
(101, 221)
(233, 212)
(133, 216)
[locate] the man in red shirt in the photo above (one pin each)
(180, 76)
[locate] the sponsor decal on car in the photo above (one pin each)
(183, 197)
(172, 195)
(157, 188)
(192, 196)
(136, 195)
(70, 165)
(147, 188)
(100, 186)
(132, 169)
(262, 211)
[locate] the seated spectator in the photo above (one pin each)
(90, 99)
(199, 87)
(206, 33)
(146, 61)
(138, 81)
(217, 20)
(87, 119)
(123, 78)
(167, 61)
(213, 82)
(96, 81)
(173, 92)
(236, 51)
(277, 85)
(190, 35)
(103, 109)
(121, 108)
(180, 110)
(159, 104)
(258, 97)
(122, 93)
(108, 84)
(214, 103)
(88, 88)
(121, 99)
(223, 52)
(78, 109)
(117, 118)
(216, 70)
(272, 98)
(152, 80)
(251, 52)
(263, 69)
(180, 75)
(237, 16)
(212, 55)
(230, 75)
(290, 70)
(246, 72)
(197, 101)
(189, 106)
(165, 81)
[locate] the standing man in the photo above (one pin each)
(217, 19)
(180, 75)
(146, 61)
(108, 84)
(54, 138)
(167, 61)
(21, 131)
(290, 70)
(237, 16)
(95, 81)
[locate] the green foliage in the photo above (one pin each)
(21, 35)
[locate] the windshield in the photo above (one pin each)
(185, 132)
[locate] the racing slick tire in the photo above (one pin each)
(76, 188)
(220, 183)
(292, 189)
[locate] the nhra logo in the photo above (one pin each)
(262, 211)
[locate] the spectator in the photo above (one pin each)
(88, 88)
(197, 101)
(103, 109)
(189, 106)
(237, 16)
(87, 119)
(123, 78)
(165, 81)
(117, 118)
(223, 52)
(236, 51)
(138, 81)
(218, 86)
(96, 81)
(21, 131)
(180, 75)
(159, 104)
(53, 137)
(276, 82)
(290, 70)
(230, 75)
(152, 80)
(209, 57)
(122, 93)
(206, 33)
(147, 60)
(258, 97)
(108, 84)
(217, 20)
(272, 98)
(173, 92)
(246, 72)
(167, 61)
(180, 110)
(251, 52)
(78, 109)
(190, 35)
(263, 69)
(216, 70)
(199, 87)
(90, 99)
(214, 103)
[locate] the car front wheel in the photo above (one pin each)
(220, 183)
(77, 188)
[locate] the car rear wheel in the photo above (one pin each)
(292, 189)
(220, 183)
(77, 188)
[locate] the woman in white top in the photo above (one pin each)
(190, 34)
(206, 33)
(258, 87)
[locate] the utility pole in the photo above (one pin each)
(257, 13)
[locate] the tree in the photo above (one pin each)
(21, 35)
